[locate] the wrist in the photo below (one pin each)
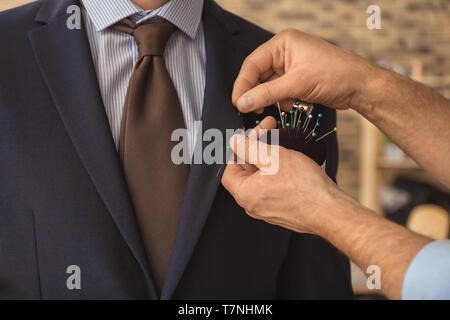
(371, 86)
(331, 211)
(339, 215)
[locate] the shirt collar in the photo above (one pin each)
(184, 14)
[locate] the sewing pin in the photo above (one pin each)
(310, 108)
(319, 116)
(258, 123)
(313, 135)
(294, 124)
(326, 134)
(288, 125)
(305, 125)
(279, 108)
(299, 118)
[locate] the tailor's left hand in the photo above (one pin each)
(297, 197)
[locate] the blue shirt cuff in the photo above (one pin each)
(428, 276)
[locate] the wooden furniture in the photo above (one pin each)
(430, 220)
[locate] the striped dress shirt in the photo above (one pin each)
(115, 54)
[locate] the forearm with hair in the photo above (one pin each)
(414, 116)
(417, 119)
(368, 239)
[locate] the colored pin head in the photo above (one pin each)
(327, 134)
(319, 115)
(314, 134)
(257, 122)
(288, 124)
(291, 112)
(297, 102)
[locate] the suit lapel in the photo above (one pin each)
(223, 60)
(65, 62)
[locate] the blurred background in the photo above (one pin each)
(414, 40)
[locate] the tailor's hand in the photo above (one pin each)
(297, 197)
(293, 65)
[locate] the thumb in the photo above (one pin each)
(252, 151)
(234, 177)
(267, 93)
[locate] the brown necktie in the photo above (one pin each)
(151, 113)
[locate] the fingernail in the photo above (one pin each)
(237, 138)
(245, 102)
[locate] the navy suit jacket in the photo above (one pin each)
(64, 201)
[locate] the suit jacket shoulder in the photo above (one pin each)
(16, 21)
(250, 34)
(16, 54)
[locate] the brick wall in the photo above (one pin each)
(411, 29)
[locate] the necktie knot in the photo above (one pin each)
(151, 38)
